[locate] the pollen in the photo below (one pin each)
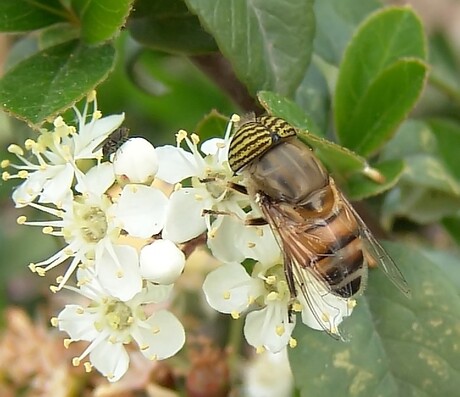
(120, 273)
(76, 361)
(251, 244)
(67, 342)
(47, 230)
(6, 176)
(180, 136)
(5, 163)
(144, 347)
(54, 321)
(235, 118)
(351, 304)
(280, 330)
(15, 149)
(40, 271)
(59, 279)
(21, 220)
(29, 144)
(235, 315)
(270, 280)
(260, 349)
(273, 296)
(292, 342)
(88, 367)
(155, 330)
(195, 138)
(80, 310)
(23, 174)
(59, 122)
(153, 357)
(97, 115)
(198, 197)
(91, 96)
(226, 295)
(53, 288)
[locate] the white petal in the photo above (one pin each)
(136, 160)
(184, 218)
(141, 210)
(27, 191)
(78, 323)
(92, 134)
(56, 188)
(118, 271)
(269, 327)
(161, 262)
(330, 309)
(160, 336)
(216, 147)
(110, 359)
(175, 164)
(98, 179)
(269, 375)
(229, 288)
(153, 293)
(225, 239)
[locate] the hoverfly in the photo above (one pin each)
(113, 142)
(319, 232)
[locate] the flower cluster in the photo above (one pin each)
(124, 222)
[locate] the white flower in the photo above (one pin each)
(109, 324)
(268, 375)
(141, 210)
(229, 289)
(57, 154)
(136, 161)
(91, 232)
(191, 209)
(161, 262)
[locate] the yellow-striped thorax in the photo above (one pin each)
(254, 138)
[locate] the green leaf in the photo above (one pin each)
(269, 42)
(24, 15)
(447, 133)
(101, 19)
(337, 20)
(313, 96)
(444, 67)
(58, 34)
(452, 225)
(212, 125)
(398, 346)
(380, 79)
(53, 80)
(279, 106)
(169, 26)
(359, 186)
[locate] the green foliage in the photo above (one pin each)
(347, 74)
(262, 39)
(397, 346)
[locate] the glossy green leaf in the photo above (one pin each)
(169, 26)
(337, 20)
(100, 20)
(58, 34)
(380, 78)
(268, 42)
(24, 15)
(398, 346)
(279, 106)
(53, 80)
(360, 186)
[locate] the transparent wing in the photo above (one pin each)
(378, 253)
(306, 284)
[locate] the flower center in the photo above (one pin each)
(276, 284)
(118, 316)
(93, 223)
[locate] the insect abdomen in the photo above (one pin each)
(340, 258)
